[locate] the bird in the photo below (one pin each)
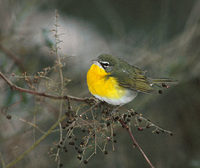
(116, 82)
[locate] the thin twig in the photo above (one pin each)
(61, 81)
(31, 124)
(111, 132)
(2, 161)
(135, 142)
(156, 126)
(93, 106)
(15, 87)
(20, 157)
(91, 156)
(95, 134)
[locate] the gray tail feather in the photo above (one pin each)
(163, 80)
(162, 83)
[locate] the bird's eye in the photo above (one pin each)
(104, 64)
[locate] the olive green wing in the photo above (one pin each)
(133, 78)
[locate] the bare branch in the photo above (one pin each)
(20, 89)
(135, 142)
(48, 132)
(2, 161)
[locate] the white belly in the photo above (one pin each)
(129, 96)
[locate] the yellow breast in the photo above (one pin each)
(103, 86)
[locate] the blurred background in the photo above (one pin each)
(162, 37)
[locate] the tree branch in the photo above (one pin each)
(135, 142)
(14, 87)
(20, 89)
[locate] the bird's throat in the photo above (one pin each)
(101, 85)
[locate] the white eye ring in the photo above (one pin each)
(104, 64)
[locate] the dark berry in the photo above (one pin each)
(148, 126)
(80, 151)
(79, 157)
(140, 129)
(132, 113)
(71, 143)
(85, 161)
(116, 118)
(128, 120)
(108, 124)
(157, 132)
(8, 116)
(164, 85)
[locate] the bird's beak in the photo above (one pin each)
(95, 62)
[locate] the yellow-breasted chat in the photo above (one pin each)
(116, 82)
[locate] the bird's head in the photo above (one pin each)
(106, 62)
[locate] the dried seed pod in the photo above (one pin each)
(128, 120)
(105, 152)
(157, 132)
(69, 122)
(80, 151)
(140, 129)
(148, 126)
(85, 161)
(133, 113)
(116, 118)
(8, 116)
(65, 149)
(71, 143)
